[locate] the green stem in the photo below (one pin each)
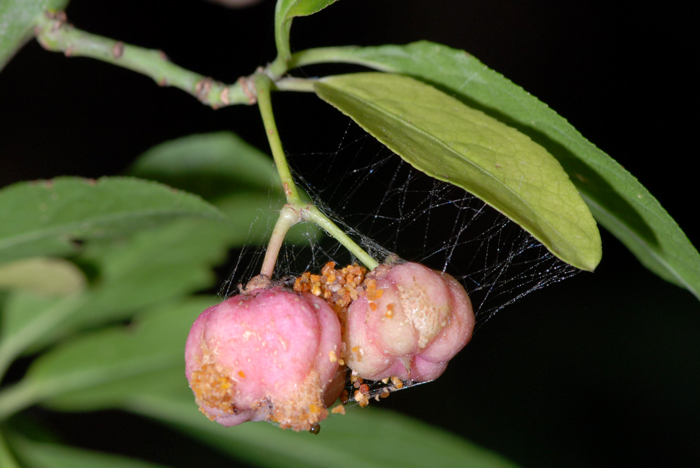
(295, 208)
(7, 459)
(311, 213)
(54, 34)
(278, 67)
(263, 86)
(288, 218)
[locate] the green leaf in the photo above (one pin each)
(42, 218)
(285, 12)
(147, 268)
(449, 141)
(42, 275)
(47, 455)
(365, 437)
(159, 338)
(158, 265)
(7, 458)
(211, 165)
(219, 167)
(108, 358)
(17, 20)
(616, 198)
(28, 318)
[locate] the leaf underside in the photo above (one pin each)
(449, 141)
(616, 198)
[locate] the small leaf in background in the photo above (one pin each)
(173, 260)
(44, 292)
(447, 140)
(108, 357)
(160, 334)
(365, 437)
(616, 198)
(44, 217)
(211, 165)
(158, 265)
(34, 454)
(28, 318)
(17, 20)
(133, 273)
(218, 166)
(7, 458)
(285, 12)
(43, 276)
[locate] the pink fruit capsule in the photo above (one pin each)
(265, 356)
(409, 324)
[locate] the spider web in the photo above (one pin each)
(388, 207)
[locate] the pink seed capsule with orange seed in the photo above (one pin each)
(409, 324)
(264, 356)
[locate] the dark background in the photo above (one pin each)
(600, 370)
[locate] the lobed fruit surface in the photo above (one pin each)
(409, 323)
(266, 356)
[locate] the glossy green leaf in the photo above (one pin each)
(449, 141)
(41, 218)
(616, 198)
(43, 276)
(211, 165)
(285, 12)
(366, 437)
(17, 20)
(48, 455)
